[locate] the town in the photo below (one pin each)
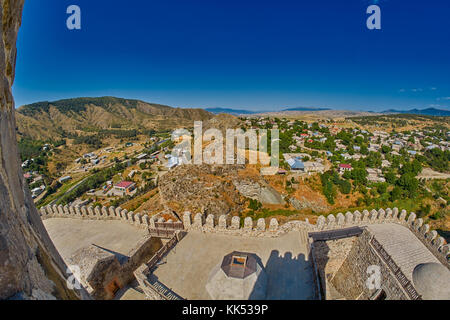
(229, 161)
(349, 165)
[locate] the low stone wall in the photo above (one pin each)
(250, 228)
(142, 252)
(259, 228)
(100, 267)
(350, 279)
(143, 272)
(232, 225)
(422, 231)
(141, 219)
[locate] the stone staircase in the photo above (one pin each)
(162, 290)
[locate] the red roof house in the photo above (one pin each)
(345, 167)
(125, 186)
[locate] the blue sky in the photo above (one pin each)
(247, 54)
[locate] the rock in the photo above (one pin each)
(27, 255)
(260, 191)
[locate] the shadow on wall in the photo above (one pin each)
(289, 277)
(321, 259)
(120, 257)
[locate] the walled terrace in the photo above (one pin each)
(155, 278)
(250, 228)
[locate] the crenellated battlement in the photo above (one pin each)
(140, 219)
(260, 228)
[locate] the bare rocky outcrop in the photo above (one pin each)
(213, 189)
(306, 204)
(260, 191)
(201, 188)
(30, 266)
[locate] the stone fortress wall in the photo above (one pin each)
(259, 228)
(349, 280)
(358, 256)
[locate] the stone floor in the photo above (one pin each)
(69, 235)
(403, 246)
(130, 292)
(186, 269)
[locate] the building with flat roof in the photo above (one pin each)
(296, 164)
(64, 179)
(124, 187)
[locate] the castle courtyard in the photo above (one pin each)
(69, 235)
(187, 267)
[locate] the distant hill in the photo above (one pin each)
(58, 119)
(230, 111)
(426, 112)
(238, 112)
(306, 109)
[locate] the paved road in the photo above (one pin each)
(70, 189)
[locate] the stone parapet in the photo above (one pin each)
(262, 227)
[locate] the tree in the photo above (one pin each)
(409, 183)
(329, 192)
(396, 193)
(359, 175)
(382, 188)
(254, 205)
(364, 150)
(345, 187)
(390, 177)
(385, 149)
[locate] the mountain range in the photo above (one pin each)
(58, 119)
(426, 112)
(230, 111)
(246, 112)
(54, 120)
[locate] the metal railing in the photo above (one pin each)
(157, 287)
(169, 225)
(161, 252)
(161, 233)
(165, 229)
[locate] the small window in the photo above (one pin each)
(239, 261)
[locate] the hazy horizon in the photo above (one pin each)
(283, 108)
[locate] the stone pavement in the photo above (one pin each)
(403, 246)
(69, 235)
(187, 267)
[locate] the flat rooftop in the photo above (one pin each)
(69, 235)
(187, 267)
(403, 246)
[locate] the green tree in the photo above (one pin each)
(396, 193)
(345, 187)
